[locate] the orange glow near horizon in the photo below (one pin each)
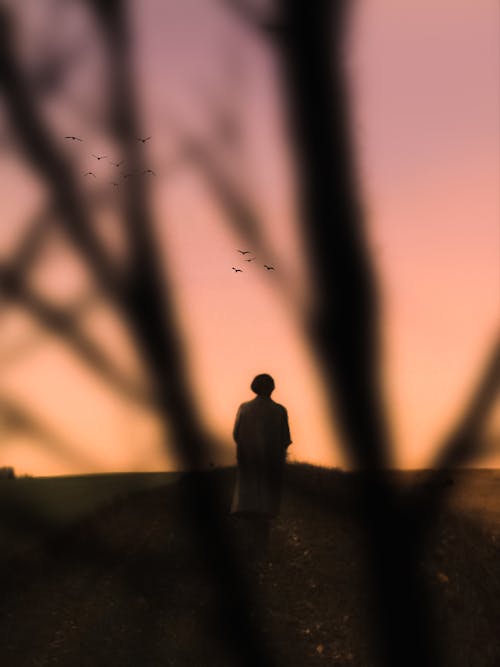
(427, 137)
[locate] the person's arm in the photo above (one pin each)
(237, 437)
(287, 440)
(237, 425)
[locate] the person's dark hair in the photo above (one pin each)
(262, 385)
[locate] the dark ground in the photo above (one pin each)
(126, 585)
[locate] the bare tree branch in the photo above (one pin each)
(31, 244)
(52, 67)
(79, 308)
(461, 445)
(238, 211)
(251, 16)
(35, 139)
(63, 325)
(38, 229)
(16, 417)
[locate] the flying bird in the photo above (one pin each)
(250, 259)
(74, 138)
(245, 252)
(115, 185)
(269, 268)
(143, 140)
(99, 157)
(236, 270)
(89, 173)
(131, 173)
(117, 164)
(149, 171)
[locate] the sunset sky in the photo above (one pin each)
(425, 79)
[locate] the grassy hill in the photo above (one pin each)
(128, 585)
(30, 507)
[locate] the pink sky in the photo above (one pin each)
(425, 79)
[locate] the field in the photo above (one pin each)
(31, 506)
(127, 584)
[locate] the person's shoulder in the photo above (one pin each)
(280, 408)
(246, 405)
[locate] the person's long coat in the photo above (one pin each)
(262, 435)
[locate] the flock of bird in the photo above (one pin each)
(236, 269)
(124, 175)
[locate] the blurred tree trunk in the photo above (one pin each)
(344, 321)
(142, 296)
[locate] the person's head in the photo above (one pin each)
(262, 385)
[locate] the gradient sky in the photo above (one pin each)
(426, 102)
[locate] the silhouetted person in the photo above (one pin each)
(262, 436)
